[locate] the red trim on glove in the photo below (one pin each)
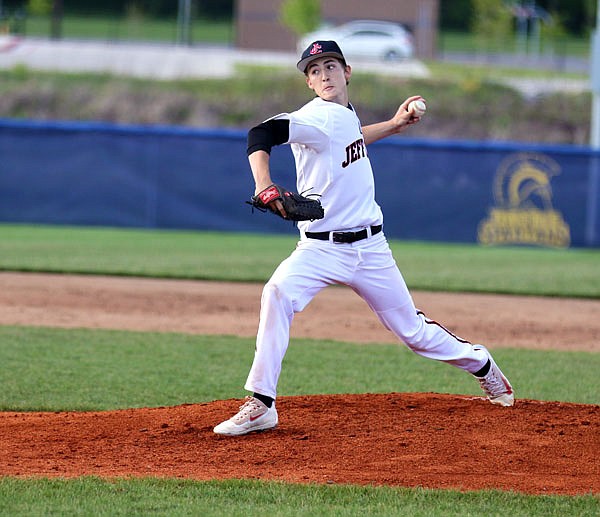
(269, 194)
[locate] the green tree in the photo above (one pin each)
(454, 15)
(577, 16)
(491, 23)
(39, 7)
(300, 16)
(554, 29)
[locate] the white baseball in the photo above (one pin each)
(417, 108)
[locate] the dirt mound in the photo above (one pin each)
(398, 439)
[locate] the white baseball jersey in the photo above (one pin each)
(332, 160)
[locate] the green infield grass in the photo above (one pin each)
(144, 497)
(47, 369)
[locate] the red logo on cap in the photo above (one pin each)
(316, 49)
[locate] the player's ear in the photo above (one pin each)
(347, 73)
(309, 82)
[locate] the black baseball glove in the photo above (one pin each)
(295, 206)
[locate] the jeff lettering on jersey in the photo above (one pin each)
(354, 151)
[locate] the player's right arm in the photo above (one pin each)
(397, 124)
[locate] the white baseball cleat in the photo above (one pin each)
(252, 416)
(495, 384)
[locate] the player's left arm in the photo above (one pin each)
(397, 124)
(261, 139)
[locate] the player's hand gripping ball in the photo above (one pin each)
(295, 206)
(417, 108)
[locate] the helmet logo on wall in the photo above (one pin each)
(524, 213)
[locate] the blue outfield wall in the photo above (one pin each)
(167, 177)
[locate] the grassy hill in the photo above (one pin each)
(464, 102)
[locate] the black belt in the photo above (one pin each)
(345, 237)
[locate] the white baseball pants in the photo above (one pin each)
(368, 267)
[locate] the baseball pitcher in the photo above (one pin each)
(341, 241)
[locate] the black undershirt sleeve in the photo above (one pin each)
(268, 134)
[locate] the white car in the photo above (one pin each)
(364, 39)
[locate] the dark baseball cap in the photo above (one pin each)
(319, 49)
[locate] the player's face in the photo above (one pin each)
(328, 78)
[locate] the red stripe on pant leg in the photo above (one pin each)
(432, 322)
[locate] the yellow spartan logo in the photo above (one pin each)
(524, 213)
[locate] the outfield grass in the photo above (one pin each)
(248, 257)
(131, 29)
(453, 41)
(222, 31)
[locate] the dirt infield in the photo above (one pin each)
(429, 440)
(336, 313)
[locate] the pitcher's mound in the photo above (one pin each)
(400, 439)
